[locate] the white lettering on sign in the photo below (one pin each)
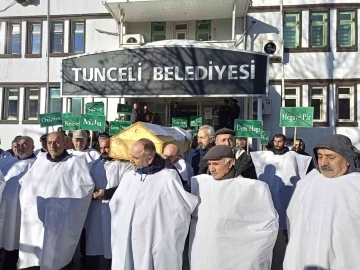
(248, 128)
(92, 122)
(168, 73)
(293, 118)
(50, 119)
(70, 124)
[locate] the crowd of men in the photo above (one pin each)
(216, 206)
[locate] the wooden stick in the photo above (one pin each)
(52, 128)
(247, 145)
(91, 138)
(295, 135)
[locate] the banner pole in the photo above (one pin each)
(91, 138)
(52, 128)
(247, 145)
(295, 135)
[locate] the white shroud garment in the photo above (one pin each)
(98, 220)
(54, 200)
(2, 184)
(281, 173)
(324, 219)
(150, 218)
(10, 214)
(234, 226)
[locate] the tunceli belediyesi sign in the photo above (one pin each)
(166, 71)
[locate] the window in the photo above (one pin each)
(318, 100)
(346, 109)
(76, 106)
(319, 25)
(292, 96)
(55, 100)
(14, 39)
(11, 104)
(346, 29)
(158, 31)
(34, 38)
(57, 37)
(203, 30)
(181, 30)
(32, 104)
(292, 30)
(78, 37)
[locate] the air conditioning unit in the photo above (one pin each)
(266, 106)
(135, 39)
(275, 49)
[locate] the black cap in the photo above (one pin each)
(43, 137)
(219, 152)
(225, 131)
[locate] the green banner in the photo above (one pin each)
(194, 133)
(96, 108)
(67, 114)
(195, 121)
(248, 128)
(118, 126)
(70, 122)
(179, 122)
(297, 117)
(124, 109)
(50, 119)
(92, 122)
(265, 137)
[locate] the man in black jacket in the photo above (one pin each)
(225, 116)
(243, 163)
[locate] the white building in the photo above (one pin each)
(317, 69)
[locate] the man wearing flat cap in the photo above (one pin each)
(243, 163)
(324, 211)
(234, 225)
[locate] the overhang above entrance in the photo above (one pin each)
(175, 10)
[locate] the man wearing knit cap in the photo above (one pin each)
(243, 163)
(235, 223)
(324, 210)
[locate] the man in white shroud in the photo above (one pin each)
(13, 168)
(235, 224)
(54, 198)
(107, 173)
(324, 212)
(150, 214)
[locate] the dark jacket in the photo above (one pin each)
(244, 165)
(341, 145)
(235, 111)
(225, 116)
(302, 152)
(198, 163)
(134, 116)
(176, 112)
(279, 151)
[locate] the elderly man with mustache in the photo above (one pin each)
(324, 212)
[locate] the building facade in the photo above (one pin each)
(314, 66)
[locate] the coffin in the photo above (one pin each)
(161, 136)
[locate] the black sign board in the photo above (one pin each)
(166, 71)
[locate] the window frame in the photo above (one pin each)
(51, 32)
(8, 46)
(298, 95)
(353, 48)
(49, 99)
(186, 32)
(300, 29)
(323, 48)
(353, 101)
(28, 53)
(27, 96)
(72, 38)
(81, 106)
(153, 32)
(5, 106)
(197, 31)
(325, 97)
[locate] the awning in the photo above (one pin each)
(175, 10)
(171, 70)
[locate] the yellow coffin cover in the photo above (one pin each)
(121, 143)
